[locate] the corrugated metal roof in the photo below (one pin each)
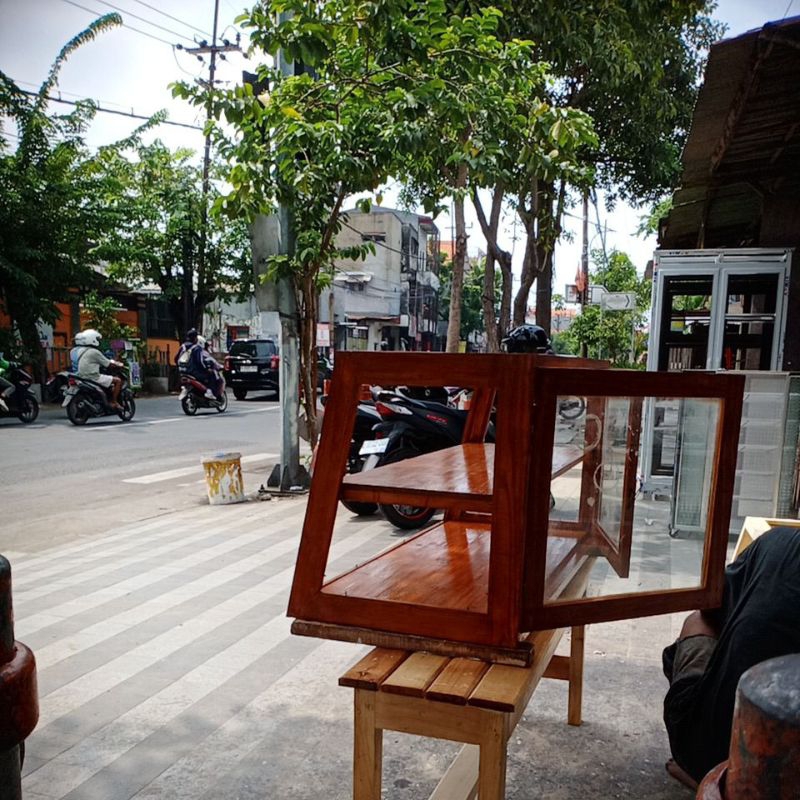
(743, 148)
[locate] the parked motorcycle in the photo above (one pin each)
(360, 456)
(193, 396)
(85, 399)
(21, 403)
(409, 428)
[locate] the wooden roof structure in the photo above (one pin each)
(740, 185)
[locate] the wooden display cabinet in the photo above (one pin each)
(495, 567)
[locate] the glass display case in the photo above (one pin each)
(553, 495)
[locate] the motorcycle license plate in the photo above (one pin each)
(184, 393)
(248, 369)
(371, 446)
(68, 396)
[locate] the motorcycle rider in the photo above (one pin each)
(213, 366)
(192, 359)
(87, 361)
(6, 387)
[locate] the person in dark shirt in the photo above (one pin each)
(759, 619)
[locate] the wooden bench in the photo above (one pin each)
(458, 699)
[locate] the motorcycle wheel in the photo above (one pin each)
(240, 394)
(403, 516)
(223, 403)
(362, 509)
(189, 405)
(128, 408)
(29, 410)
(572, 407)
(78, 411)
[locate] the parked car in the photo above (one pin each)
(252, 366)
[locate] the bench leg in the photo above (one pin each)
(575, 701)
(492, 769)
(367, 749)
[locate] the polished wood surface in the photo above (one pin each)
(458, 477)
(447, 566)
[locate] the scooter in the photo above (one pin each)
(193, 396)
(21, 403)
(409, 428)
(85, 399)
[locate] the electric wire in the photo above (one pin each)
(145, 20)
(176, 19)
(120, 113)
(124, 24)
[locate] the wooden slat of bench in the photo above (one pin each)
(414, 675)
(456, 681)
(373, 669)
(508, 689)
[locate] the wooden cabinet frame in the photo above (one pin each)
(470, 585)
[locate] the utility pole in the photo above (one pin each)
(585, 264)
(274, 235)
(212, 50)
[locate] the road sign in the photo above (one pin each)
(618, 301)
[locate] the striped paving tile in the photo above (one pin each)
(162, 637)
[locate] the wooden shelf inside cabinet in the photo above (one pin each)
(458, 477)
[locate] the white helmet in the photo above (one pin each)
(90, 337)
(201, 341)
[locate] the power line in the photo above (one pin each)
(120, 113)
(124, 24)
(144, 19)
(164, 13)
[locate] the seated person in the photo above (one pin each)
(213, 369)
(759, 619)
(88, 361)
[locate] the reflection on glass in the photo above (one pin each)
(597, 513)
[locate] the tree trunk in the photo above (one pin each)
(489, 228)
(459, 258)
(308, 301)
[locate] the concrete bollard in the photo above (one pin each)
(19, 698)
(764, 758)
(224, 478)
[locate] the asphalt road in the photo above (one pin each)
(60, 481)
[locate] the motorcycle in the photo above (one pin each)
(409, 428)
(193, 396)
(359, 456)
(85, 399)
(21, 403)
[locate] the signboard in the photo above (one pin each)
(571, 294)
(618, 301)
(323, 334)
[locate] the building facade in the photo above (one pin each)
(390, 300)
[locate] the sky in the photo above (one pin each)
(129, 70)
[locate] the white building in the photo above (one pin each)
(392, 296)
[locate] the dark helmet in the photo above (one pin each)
(191, 335)
(527, 339)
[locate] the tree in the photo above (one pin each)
(157, 201)
(101, 314)
(51, 208)
(615, 335)
(389, 89)
(634, 68)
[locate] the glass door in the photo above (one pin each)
(751, 303)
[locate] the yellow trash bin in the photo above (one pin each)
(224, 478)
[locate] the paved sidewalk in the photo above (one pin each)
(167, 670)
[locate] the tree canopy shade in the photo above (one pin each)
(157, 201)
(51, 200)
